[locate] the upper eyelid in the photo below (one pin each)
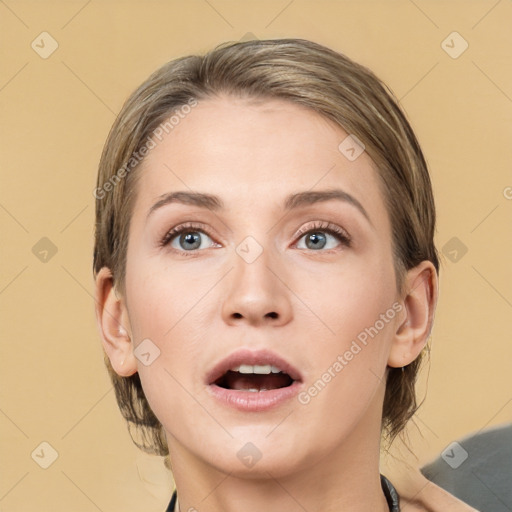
(186, 226)
(324, 225)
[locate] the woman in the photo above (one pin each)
(266, 276)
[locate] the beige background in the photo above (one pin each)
(55, 116)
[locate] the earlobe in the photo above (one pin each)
(412, 332)
(113, 324)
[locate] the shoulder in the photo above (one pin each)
(418, 494)
(433, 498)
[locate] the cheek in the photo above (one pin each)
(168, 308)
(161, 296)
(348, 360)
(342, 301)
(351, 320)
(165, 309)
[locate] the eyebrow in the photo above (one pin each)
(291, 202)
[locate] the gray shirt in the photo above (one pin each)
(477, 469)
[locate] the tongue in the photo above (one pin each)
(245, 381)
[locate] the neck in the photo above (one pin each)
(344, 479)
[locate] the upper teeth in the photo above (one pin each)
(260, 369)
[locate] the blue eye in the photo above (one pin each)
(316, 235)
(188, 237)
(316, 240)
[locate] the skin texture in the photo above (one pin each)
(418, 494)
(198, 309)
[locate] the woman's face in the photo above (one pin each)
(261, 269)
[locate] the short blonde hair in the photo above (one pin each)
(302, 72)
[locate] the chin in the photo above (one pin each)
(260, 458)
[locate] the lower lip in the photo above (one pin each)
(254, 401)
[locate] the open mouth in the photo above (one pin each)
(254, 378)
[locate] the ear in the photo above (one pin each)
(419, 304)
(113, 324)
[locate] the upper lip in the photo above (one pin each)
(251, 357)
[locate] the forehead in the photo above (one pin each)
(255, 151)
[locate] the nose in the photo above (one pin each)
(257, 293)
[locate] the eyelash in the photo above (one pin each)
(324, 227)
(327, 227)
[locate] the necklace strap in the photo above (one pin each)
(172, 504)
(391, 495)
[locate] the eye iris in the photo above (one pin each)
(314, 237)
(191, 237)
